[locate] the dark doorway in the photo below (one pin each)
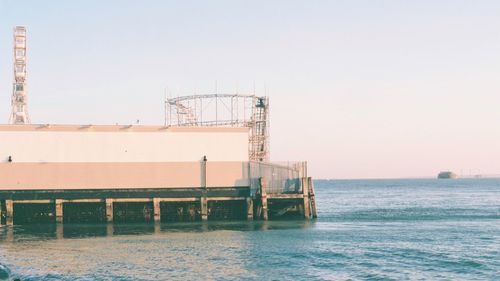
(132, 212)
(84, 212)
(227, 210)
(180, 211)
(29, 213)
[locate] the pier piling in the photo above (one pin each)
(59, 210)
(204, 208)
(263, 197)
(305, 193)
(249, 208)
(109, 210)
(314, 211)
(156, 209)
(9, 212)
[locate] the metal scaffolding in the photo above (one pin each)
(19, 112)
(225, 110)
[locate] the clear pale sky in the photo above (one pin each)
(359, 89)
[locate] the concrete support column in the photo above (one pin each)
(59, 210)
(305, 193)
(59, 231)
(312, 199)
(249, 208)
(9, 212)
(109, 229)
(109, 210)
(204, 207)
(263, 195)
(157, 209)
(9, 234)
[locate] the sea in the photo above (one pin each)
(405, 229)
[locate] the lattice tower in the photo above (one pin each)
(19, 112)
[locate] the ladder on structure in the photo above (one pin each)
(258, 140)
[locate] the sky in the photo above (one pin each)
(359, 89)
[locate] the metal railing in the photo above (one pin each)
(281, 178)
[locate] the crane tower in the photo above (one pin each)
(19, 114)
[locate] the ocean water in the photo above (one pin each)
(366, 230)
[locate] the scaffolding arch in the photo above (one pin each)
(225, 110)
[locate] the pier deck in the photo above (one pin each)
(153, 204)
(77, 173)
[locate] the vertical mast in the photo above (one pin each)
(19, 113)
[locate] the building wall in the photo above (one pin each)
(32, 176)
(63, 144)
(90, 157)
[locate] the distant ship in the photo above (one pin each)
(447, 175)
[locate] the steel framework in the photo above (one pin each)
(225, 110)
(19, 112)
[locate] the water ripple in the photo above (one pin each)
(367, 230)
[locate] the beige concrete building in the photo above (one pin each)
(96, 173)
(89, 157)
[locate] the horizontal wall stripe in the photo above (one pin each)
(182, 144)
(39, 176)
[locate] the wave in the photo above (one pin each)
(4, 272)
(414, 214)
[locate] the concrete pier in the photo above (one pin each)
(157, 205)
(145, 174)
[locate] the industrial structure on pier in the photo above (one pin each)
(208, 161)
(225, 110)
